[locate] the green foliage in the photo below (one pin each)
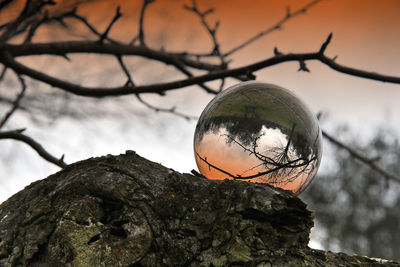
(357, 209)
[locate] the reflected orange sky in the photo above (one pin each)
(217, 155)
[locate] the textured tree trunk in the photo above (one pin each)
(127, 211)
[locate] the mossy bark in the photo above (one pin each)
(127, 211)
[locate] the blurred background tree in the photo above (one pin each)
(90, 77)
(356, 209)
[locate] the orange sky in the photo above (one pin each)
(366, 34)
(360, 27)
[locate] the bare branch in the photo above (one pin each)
(115, 18)
(15, 104)
(3, 73)
(5, 3)
(357, 72)
(24, 19)
(276, 26)
(126, 71)
(221, 85)
(37, 23)
(277, 52)
(73, 14)
(62, 48)
(9, 61)
(370, 162)
(303, 66)
(212, 31)
(325, 44)
(141, 36)
(17, 135)
(171, 110)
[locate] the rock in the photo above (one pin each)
(127, 211)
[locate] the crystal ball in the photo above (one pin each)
(258, 132)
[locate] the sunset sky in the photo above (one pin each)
(366, 35)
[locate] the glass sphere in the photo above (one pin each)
(258, 132)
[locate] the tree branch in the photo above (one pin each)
(9, 61)
(17, 135)
(15, 104)
(126, 71)
(115, 18)
(212, 31)
(3, 73)
(24, 19)
(273, 28)
(62, 48)
(89, 26)
(171, 110)
(325, 44)
(371, 163)
(140, 35)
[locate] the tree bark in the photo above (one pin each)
(127, 211)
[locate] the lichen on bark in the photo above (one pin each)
(127, 211)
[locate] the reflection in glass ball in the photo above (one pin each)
(258, 132)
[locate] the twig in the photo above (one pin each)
(370, 162)
(263, 158)
(3, 73)
(212, 31)
(171, 110)
(126, 71)
(176, 63)
(115, 18)
(274, 27)
(303, 66)
(90, 27)
(325, 45)
(24, 19)
(35, 25)
(215, 167)
(17, 135)
(141, 36)
(15, 104)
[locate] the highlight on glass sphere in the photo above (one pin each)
(258, 132)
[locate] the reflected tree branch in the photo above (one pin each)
(263, 158)
(248, 177)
